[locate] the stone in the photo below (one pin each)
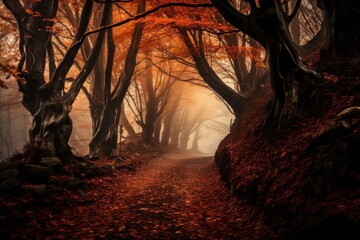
(6, 166)
(89, 170)
(74, 183)
(128, 167)
(80, 191)
(336, 153)
(11, 185)
(108, 169)
(51, 161)
(10, 173)
(35, 172)
(39, 190)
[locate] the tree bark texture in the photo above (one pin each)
(269, 25)
(104, 139)
(341, 20)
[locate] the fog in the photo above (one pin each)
(16, 121)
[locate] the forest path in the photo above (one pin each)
(171, 197)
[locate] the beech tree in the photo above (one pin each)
(150, 96)
(268, 24)
(48, 103)
(343, 34)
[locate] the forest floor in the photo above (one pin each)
(174, 196)
(304, 178)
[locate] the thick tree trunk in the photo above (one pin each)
(33, 42)
(104, 140)
(270, 27)
(52, 125)
(287, 70)
(151, 105)
(343, 30)
(147, 133)
(157, 131)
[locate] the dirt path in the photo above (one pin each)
(172, 197)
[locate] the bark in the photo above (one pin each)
(294, 24)
(230, 96)
(125, 122)
(341, 19)
(33, 42)
(151, 106)
(52, 125)
(104, 140)
(168, 123)
(287, 71)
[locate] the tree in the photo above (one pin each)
(46, 102)
(150, 96)
(104, 141)
(340, 23)
(268, 24)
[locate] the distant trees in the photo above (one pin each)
(63, 44)
(48, 101)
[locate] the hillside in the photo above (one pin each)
(304, 178)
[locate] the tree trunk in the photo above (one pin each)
(195, 143)
(157, 131)
(230, 96)
(175, 132)
(343, 30)
(270, 27)
(287, 70)
(52, 125)
(33, 42)
(104, 140)
(168, 123)
(125, 122)
(151, 105)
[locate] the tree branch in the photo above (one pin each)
(294, 12)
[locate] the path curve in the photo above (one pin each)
(171, 197)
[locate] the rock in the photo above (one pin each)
(346, 122)
(6, 166)
(128, 167)
(10, 173)
(35, 172)
(336, 152)
(89, 170)
(108, 169)
(39, 190)
(51, 161)
(81, 192)
(119, 159)
(74, 183)
(11, 185)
